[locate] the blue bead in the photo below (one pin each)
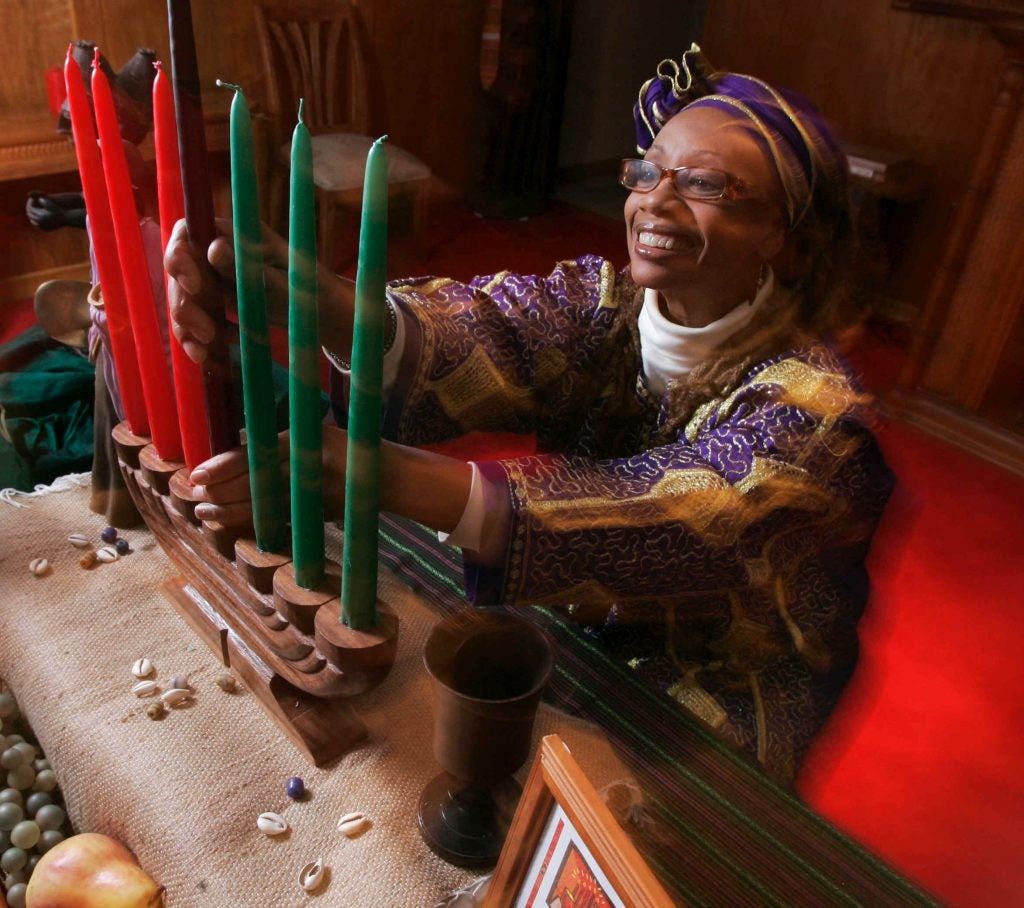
(296, 788)
(109, 534)
(122, 547)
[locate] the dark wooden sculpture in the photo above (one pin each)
(284, 641)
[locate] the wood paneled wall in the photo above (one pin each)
(947, 90)
(425, 60)
(911, 83)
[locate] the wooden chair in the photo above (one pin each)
(316, 50)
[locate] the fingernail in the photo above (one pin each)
(199, 477)
(204, 511)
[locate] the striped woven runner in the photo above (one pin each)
(720, 832)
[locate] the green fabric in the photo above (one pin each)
(46, 405)
(46, 409)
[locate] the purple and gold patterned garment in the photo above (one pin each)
(726, 563)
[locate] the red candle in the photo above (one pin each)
(188, 375)
(104, 249)
(199, 219)
(156, 379)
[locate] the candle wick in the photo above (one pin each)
(96, 59)
(302, 105)
(158, 66)
(383, 138)
(222, 84)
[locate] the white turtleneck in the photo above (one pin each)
(670, 350)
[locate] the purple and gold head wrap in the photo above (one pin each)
(796, 136)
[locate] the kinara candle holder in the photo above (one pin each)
(286, 642)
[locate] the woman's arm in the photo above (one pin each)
(500, 353)
(195, 329)
(765, 483)
(429, 488)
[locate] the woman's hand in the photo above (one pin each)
(195, 329)
(222, 483)
(191, 325)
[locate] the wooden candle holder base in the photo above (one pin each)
(179, 490)
(158, 471)
(285, 642)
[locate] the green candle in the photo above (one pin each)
(265, 479)
(304, 368)
(362, 476)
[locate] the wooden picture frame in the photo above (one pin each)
(563, 829)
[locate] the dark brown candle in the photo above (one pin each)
(199, 219)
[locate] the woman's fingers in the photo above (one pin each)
(237, 515)
(222, 484)
(221, 255)
(193, 328)
(220, 468)
(275, 248)
(180, 260)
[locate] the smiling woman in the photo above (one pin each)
(709, 489)
(704, 246)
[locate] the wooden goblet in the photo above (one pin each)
(487, 672)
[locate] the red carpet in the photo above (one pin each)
(921, 760)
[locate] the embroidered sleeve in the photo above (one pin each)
(478, 356)
(766, 478)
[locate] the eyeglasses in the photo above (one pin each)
(703, 183)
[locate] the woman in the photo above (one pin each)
(711, 488)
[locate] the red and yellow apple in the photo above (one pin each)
(91, 870)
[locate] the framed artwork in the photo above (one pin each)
(565, 849)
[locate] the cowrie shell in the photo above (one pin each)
(312, 875)
(145, 688)
(107, 554)
(175, 696)
(270, 823)
(353, 823)
(142, 668)
(39, 566)
(78, 541)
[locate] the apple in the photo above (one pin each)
(91, 870)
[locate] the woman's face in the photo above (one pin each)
(702, 254)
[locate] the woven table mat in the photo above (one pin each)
(184, 792)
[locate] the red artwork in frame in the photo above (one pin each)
(565, 849)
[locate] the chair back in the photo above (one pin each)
(314, 49)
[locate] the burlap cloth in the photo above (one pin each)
(184, 792)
